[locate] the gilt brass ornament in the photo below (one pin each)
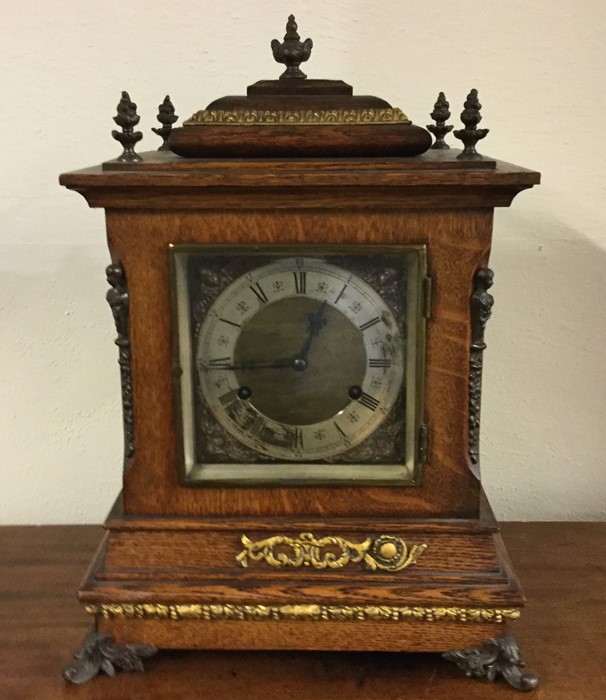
(386, 552)
(303, 117)
(304, 612)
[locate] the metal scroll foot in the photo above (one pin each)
(99, 652)
(497, 657)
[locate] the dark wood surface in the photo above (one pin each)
(561, 565)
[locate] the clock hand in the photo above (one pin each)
(282, 363)
(316, 322)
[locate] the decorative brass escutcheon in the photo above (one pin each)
(386, 552)
(300, 117)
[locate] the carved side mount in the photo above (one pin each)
(496, 658)
(481, 310)
(99, 652)
(118, 300)
(386, 552)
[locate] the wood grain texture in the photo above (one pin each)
(435, 180)
(430, 201)
(434, 199)
(304, 636)
(458, 243)
(562, 566)
(467, 568)
(282, 141)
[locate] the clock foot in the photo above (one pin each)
(497, 657)
(99, 652)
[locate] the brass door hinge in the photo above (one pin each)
(426, 301)
(422, 444)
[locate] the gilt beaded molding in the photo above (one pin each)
(306, 612)
(303, 117)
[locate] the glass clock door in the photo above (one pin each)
(298, 366)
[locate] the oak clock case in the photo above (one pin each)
(295, 367)
(300, 285)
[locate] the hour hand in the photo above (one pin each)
(281, 363)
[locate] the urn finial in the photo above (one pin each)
(292, 51)
(470, 135)
(440, 114)
(127, 118)
(166, 117)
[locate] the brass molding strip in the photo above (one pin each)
(303, 117)
(319, 613)
(386, 552)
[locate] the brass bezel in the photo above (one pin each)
(214, 475)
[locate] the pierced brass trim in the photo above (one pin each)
(320, 613)
(386, 552)
(303, 117)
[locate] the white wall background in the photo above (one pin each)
(539, 68)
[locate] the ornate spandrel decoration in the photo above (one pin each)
(386, 553)
(99, 652)
(440, 114)
(496, 658)
(167, 117)
(127, 118)
(292, 51)
(305, 612)
(117, 298)
(470, 135)
(302, 117)
(481, 309)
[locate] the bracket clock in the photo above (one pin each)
(300, 288)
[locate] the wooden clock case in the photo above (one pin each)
(169, 571)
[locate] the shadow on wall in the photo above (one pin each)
(545, 372)
(62, 449)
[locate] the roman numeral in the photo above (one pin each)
(341, 294)
(368, 324)
(369, 401)
(381, 362)
(300, 282)
(343, 433)
(229, 397)
(259, 293)
(297, 439)
(220, 362)
(258, 427)
(231, 323)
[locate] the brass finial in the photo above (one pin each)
(127, 118)
(470, 135)
(292, 52)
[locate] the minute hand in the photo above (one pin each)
(282, 363)
(316, 322)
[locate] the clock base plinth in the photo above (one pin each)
(187, 583)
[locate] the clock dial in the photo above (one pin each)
(300, 359)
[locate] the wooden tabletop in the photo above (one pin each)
(561, 565)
